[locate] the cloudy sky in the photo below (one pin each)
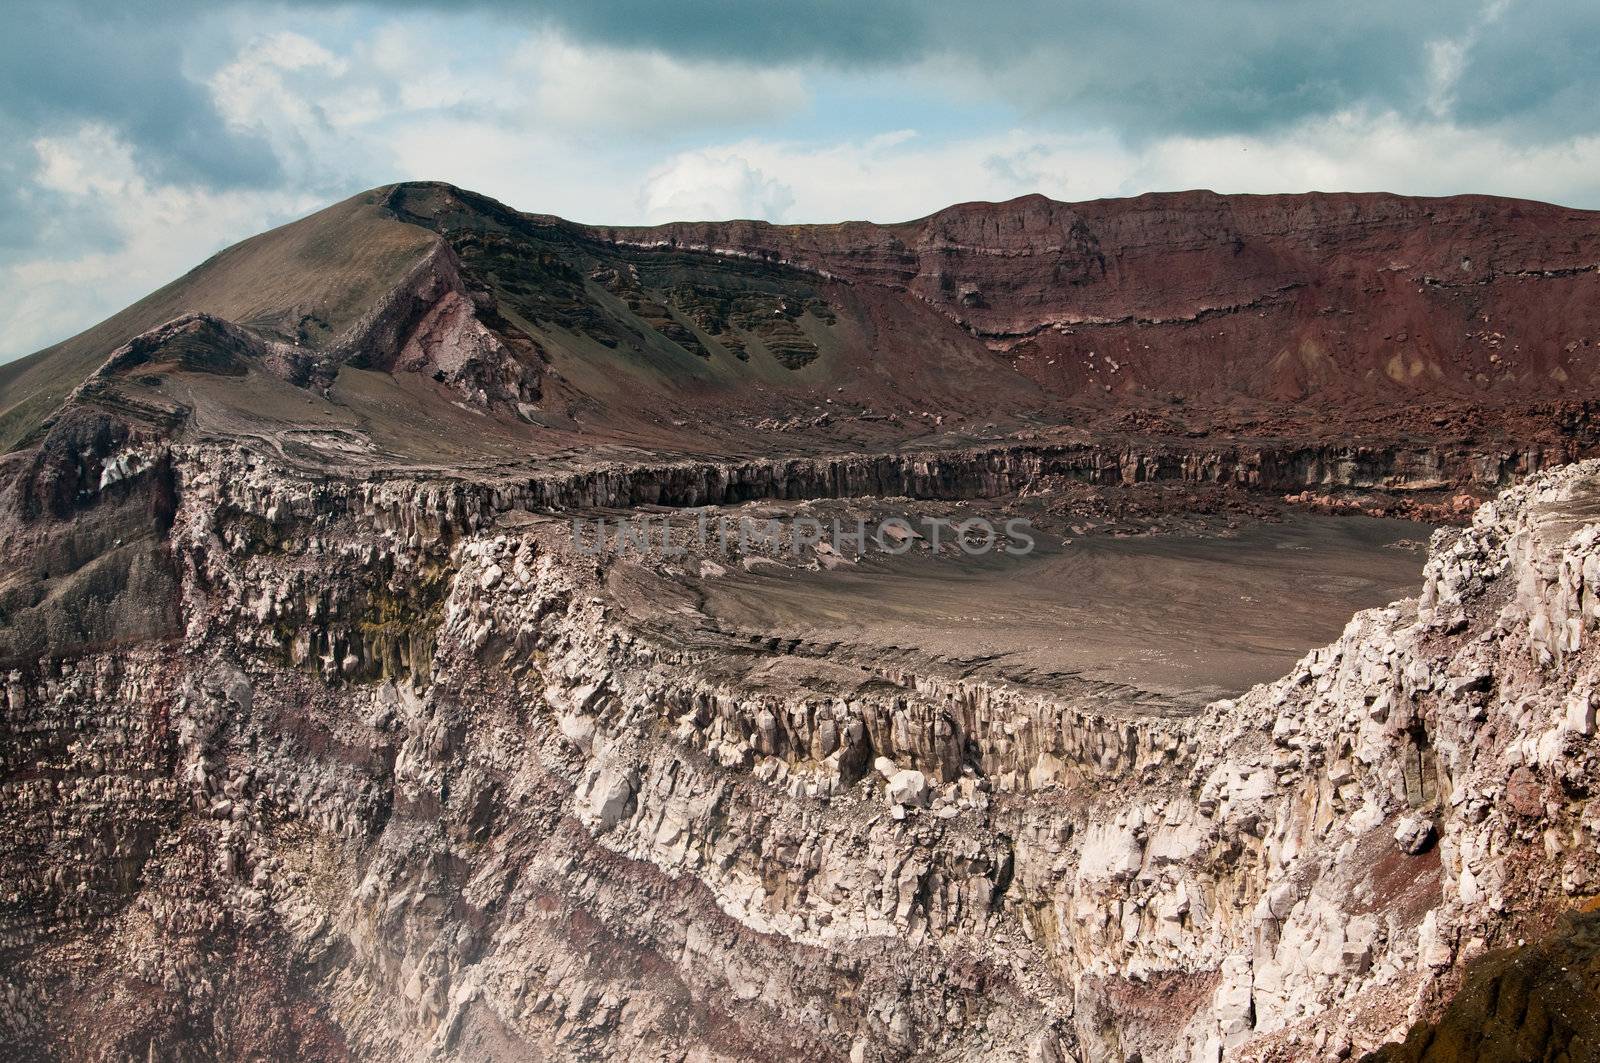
(137, 138)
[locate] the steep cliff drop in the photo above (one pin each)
(325, 737)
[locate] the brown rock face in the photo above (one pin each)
(1523, 793)
(1306, 297)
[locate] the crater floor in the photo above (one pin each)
(1202, 615)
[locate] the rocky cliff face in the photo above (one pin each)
(418, 780)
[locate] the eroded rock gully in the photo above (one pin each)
(407, 776)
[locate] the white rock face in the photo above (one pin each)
(610, 796)
(528, 822)
(1412, 834)
(1110, 852)
(907, 787)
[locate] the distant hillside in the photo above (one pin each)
(1308, 314)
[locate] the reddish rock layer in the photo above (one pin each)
(1276, 297)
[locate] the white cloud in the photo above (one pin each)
(252, 90)
(603, 89)
(93, 162)
(1447, 59)
(1382, 152)
(883, 178)
(702, 186)
(895, 179)
(421, 70)
(284, 87)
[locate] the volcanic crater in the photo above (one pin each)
(325, 737)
